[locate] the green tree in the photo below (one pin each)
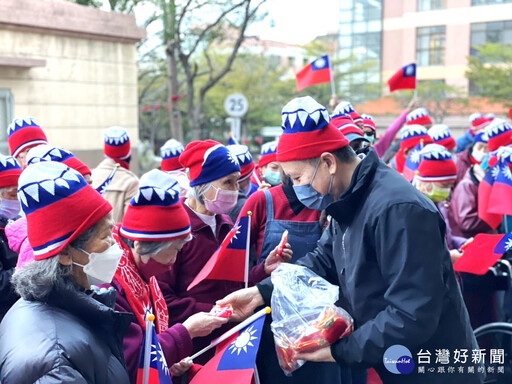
(490, 72)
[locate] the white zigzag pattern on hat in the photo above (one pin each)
(18, 123)
(497, 127)
(435, 151)
(269, 147)
(413, 130)
(173, 147)
(5, 160)
(439, 132)
(344, 107)
(32, 187)
(302, 115)
(417, 113)
(148, 192)
(367, 117)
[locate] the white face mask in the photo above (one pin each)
(102, 267)
(479, 156)
(9, 209)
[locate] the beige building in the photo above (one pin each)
(72, 68)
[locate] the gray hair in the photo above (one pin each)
(197, 192)
(152, 247)
(36, 280)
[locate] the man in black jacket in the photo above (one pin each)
(386, 250)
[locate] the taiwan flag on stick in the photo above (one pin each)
(484, 195)
(482, 253)
(235, 357)
(317, 72)
(405, 78)
(500, 200)
(413, 162)
(231, 260)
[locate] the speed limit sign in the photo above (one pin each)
(236, 105)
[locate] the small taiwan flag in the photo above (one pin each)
(484, 195)
(230, 260)
(500, 200)
(158, 370)
(235, 358)
(405, 78)
(483, 252)
(317, 72)
(412, 163)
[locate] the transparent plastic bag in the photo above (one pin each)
(304, 317)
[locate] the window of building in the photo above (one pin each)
(497, 32)
(430, 5)
(6, 116)
(430, 45)
(489, 2)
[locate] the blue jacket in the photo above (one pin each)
(464, 142)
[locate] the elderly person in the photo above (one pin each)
(214, 174)
(17, 231)
(154, 229)
(61, 330)
(23, 134)
(9, 209)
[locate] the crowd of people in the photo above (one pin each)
(86, 255)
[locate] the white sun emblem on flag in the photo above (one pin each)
(507, 172)
(158, 355)
(243, 340)
(237, 231)
(508, 245)
(495, 172)
(415, 156)
(320, 63)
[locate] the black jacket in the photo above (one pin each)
(386, 250)
(8, 259)
(72, 338)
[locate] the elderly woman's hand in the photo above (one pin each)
(202, 324)
(180, 368)
(275, 258)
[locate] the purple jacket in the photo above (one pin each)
(175, 341)
(463, 213)
(385, 141)
(463, 164)
(454, 242)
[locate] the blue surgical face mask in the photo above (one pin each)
(371, 138)
(485, 162)
(273, 178)
(310, 197)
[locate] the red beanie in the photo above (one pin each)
(48, 152)
(478, 122)
(419, 116)
(23, 134)
(117, 143)
(307, 131)
(412, 136)
(244, 158)
(353, 132)
(441, 135)
(347, 108)
(59, 205)
(436, 164)
(499, 134)
(268, 153)
(170, 153)
(10, 171)
(156, 213)
(207, 161)
(369, 123)
(339, 120)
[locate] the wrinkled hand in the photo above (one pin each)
(274, 259)
(244, 302)
(468, 241)
(322, 354)
(455, 255)
(180, 368)
(413, 104)
(264, 186)
(202, 324)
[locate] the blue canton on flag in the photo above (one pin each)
(239, 240)
(103, 186)
(320, 63)
(241, 353)
(410, 70)
(158, 369)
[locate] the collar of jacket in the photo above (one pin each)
(345, 208)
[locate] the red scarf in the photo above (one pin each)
(143, 297)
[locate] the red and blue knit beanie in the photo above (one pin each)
(10, 171)
(307, 131)
(480, 137)
(412, 136)
(368, 122)
(436, 164)
(24, 134)
(341, 119)
(48, 152)
(442, 136)
(353, 132)
(170, 153)
(419, 116)
(244, 159)
(348, 108)
(59, 206)
(268, 153)
(117, 143)
(156, 213)
(499, 134)
(478, 122)
(207, 161)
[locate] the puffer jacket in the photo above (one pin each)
(122, 188)
(7, 263)
(17, 237)
(72, 338)
(386, 250)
